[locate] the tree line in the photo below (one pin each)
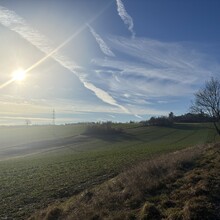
(205, 108)
(185, 118)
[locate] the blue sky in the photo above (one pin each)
(117, 60)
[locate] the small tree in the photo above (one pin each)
(207, 100)
(171, 115)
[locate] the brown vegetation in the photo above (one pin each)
(181, 185)
(102, 129)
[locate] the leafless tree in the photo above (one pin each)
(207, 100)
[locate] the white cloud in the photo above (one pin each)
(103, 46)
(141, 112)
(16, 23)
(138, 116)
(137, 84)
(126, 18)
(172, 61)
(152, 71)
(104, 96)
(146, 75)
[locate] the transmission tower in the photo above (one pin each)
(54, 117)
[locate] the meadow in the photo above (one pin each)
(44, 164)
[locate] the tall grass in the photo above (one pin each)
(122, 196)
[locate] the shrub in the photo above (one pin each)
(102, 129)
(160, 121)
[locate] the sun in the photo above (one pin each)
(19, 75)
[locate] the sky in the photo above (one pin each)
(104, 60)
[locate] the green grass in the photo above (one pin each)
(32, 182)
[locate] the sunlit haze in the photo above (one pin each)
(104, 60)
(19, 75)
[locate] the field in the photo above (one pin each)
(178, 185)
(40, 165)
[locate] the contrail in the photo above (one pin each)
(126, 18)
(103, 46)
(17, 24)
(6, 83)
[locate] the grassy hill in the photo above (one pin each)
(45, 164)
(176, 186)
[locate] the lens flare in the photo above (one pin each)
(19, 75)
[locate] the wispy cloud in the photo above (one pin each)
(161, 60)
(104, 95)
(103, 46)
(126, 18)
(152, 71)
(14, 22)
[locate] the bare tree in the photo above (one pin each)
(207, 100)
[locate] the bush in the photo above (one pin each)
(102, 129)
(160, 121)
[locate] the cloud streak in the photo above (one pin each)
(159, 60)
(126, 18)
(14, 22)
(103, 46)
(150, 70)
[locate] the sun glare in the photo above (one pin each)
(19, 75)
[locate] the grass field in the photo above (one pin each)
(178, 185)
(44, 164)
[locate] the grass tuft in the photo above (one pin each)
(150, 212)
(198, 208)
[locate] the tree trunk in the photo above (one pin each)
(216, 128)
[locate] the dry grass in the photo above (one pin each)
(172, 186)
